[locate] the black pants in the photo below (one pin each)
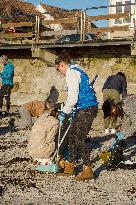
(80, 128)
(5, 91)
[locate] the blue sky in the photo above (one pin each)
(78, 4)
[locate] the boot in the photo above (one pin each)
(61, 163)
(86, 174)
(68, 169)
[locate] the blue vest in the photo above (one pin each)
(86, 96)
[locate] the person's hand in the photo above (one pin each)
(61, 117)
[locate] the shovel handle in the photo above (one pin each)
(58, 142)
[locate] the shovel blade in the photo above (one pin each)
(104, 156)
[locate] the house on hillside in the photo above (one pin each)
(122, 6)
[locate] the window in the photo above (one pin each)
(127, 6)
(127, 20)
(118, 21)
(127, 9)
(118, 7)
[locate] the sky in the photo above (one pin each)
(78, 4)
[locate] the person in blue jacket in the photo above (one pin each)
(6, 75)
(82, 104)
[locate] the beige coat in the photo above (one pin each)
(41, 143)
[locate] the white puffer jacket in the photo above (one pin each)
(41, 143)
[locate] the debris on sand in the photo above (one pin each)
(20, 184)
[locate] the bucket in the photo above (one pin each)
(51, 168)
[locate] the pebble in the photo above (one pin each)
(21, 186)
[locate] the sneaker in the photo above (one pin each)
(11, 122)
(107, 131)
(113, 131)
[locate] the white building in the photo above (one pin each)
(42, 9)
(122, 21)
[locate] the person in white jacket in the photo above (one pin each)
(82, 104)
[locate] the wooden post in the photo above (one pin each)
(38, 29)
(35, 39)
(84, 25)
(135, 25)
(88, 26)
(81, 27)
(78, 25)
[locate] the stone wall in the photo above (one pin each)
(35, 79)
(107, 66)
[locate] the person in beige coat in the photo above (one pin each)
(41, 143)
(28, 110)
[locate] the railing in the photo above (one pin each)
(11, 31)
(32, 30)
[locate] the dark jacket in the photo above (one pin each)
(116, 82)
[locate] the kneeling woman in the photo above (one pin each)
(41, 144)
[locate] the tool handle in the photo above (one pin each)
(95, 77)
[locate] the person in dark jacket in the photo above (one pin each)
(6, 75)
(82, 103)
(113, 88)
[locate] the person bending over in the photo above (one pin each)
(114, 86)
(31, 109)
(82, 103)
